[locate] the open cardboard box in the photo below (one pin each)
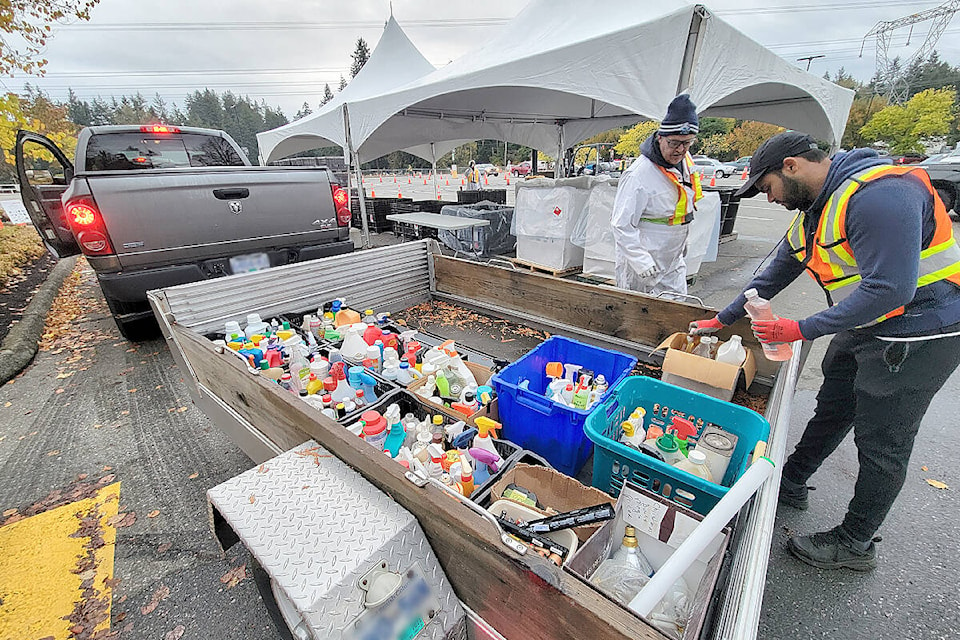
(712, 378)
(556, 492)
(482, 374)
(661, 526)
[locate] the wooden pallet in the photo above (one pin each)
(559, 273)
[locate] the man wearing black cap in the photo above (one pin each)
(878, 240)
(656, 198)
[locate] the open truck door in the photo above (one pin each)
(45, 172)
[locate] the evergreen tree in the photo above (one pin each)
(78, 110)
(360, 55)
(327, 95)
(343, 84)
(305, 110)
(158, 109)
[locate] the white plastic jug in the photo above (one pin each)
(354, 346)
(732, 352)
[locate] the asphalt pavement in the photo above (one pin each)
(125, 407)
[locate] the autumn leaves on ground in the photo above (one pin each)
(77, 327)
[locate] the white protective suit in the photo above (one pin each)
(645, 192)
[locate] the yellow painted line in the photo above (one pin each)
(38, 557)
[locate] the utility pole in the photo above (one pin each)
(809, 59)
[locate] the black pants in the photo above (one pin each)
(881, 390)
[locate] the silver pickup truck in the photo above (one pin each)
(155, 206)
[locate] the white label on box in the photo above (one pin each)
(641, 513)
(15, 211)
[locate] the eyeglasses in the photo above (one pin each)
(676, 144)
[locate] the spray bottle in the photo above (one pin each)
(395, 433)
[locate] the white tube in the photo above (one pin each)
(691, 548)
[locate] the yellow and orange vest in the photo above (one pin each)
(680, 214)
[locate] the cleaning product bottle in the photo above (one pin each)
(567, 394)
(272, 373)
(487, 431)
(696, 463)
(343, 391)
(373, 356)
(702, 349)
(345, 316)
(334, 355)
(466, 478)
(403, 374)
(329, 331)
(580, 397)
(732, 351)
(360, 399)
(254, 325)
(410, 426)
(314, 384)
(443, 385)
(637, 419)
(714, 345)
(395, 433)
(369, 384)
(631, 436)
(368, 317)
(669, 449)
(462, 369)
(759, 309)
(232, 331)
(371, 333)
(354, 347)
(374, 429)
(428, 388)
(435, 464)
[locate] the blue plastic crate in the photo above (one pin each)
(615, 463)
(535, 422)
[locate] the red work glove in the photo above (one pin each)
(703, 327)
(779, 330)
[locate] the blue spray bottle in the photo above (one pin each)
(368, 382)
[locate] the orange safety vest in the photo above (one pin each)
(831, 263)
(680, 214)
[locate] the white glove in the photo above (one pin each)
(649, 273)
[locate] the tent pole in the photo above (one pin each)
(359, 178)
(559, 163)
(433, 164)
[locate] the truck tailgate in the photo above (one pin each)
(182, 215)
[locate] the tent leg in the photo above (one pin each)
(559, 170)
(433, 164)
(359, 179)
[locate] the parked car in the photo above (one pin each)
(521, 169)
(488, 169)
(711, 167)
(741, 163)
(934, 159)
(909, 158)
(945, 177)
(157, 206)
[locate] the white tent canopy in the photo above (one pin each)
(394, 62)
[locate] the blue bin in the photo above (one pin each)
(615, 463)
(535, 422)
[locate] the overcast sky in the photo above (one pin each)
(284, 51)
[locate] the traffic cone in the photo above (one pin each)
(508, 179)
(438, 197)
(394, 179)
(486, 181)
(743, 176)
(462, 182)
(409, 180)
(373, 194)
(448, 182)
(713, 181)
(399, 195)
(424, 182)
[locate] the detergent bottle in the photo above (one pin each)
(372, 359)
(232, 331)
(272, 373)
(395, 432)
(759, 309)
(368, 317)
(631, 437)
(458, 364)
(374, 428)
(404, 376)
(371, 333)
(254, 325)
(354, 347)
(732, 351)
(343, 391)
(314, 384)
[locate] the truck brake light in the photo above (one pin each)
(341, 202)
(87, 225)
(159, 128)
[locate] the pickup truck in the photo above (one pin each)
(155, 206)
(945, 177)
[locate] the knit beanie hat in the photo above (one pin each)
(681, 118)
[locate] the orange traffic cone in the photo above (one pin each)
(508, 179)
(424, 182)
(409, 180)
(381, 178)
(394, 179)
(713, 181)
(448, 182)
(462, 182)
(486, 181)
(743, 176)
(438, 197)
(373, 194)
(399, 195)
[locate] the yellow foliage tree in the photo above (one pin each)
(36, 113)
(745, 138)
(630, 141)
(25, 28)
(927, 114)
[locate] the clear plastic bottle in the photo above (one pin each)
(759, 309)
(626, 572)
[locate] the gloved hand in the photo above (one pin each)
(779, 330)
(649, 273)
(703, 327)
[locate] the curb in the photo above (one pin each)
(21, 343)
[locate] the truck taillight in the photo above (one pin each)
(159, 128)
(87, 225)
(341, 201)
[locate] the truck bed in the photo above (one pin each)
(486, 575)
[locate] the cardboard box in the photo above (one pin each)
(661, 526)
(716, 379)
(556, 492)
(482, 374)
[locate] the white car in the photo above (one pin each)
(488, 169)
(711, 167)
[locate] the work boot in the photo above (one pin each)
(834, 549)
(794, 495)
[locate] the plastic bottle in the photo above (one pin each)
(254, 325)
(435, 464)
(368, 317)
(487, 431)
(669, 449)
(314, 384)
(410, 425)
(759, 309)
(232, 331)
(371, 333)
(567, 394)
(428, 388)
(395, 433)
(631, 436)
(373, 355)
(696, 464)
(374, 429)
(369, 384)
(653, 433)
(404, 377)
(626, 572)
(343, 390)
(273, 373)
(703, 349)
(732, 352)
(354, 347)
(443, 385)
(360, 400)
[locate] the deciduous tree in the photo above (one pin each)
(927, 114)
(25, 29)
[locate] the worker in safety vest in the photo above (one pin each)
(656, 198)
(878, 240)
(473, 177)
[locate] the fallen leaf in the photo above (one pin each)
(107, 469)
(82, 476)
(936, 484)
(121, 616)
(122, 520)
(924, 468)
(76, 629)
(7, 404)
(160, 594)
(9, 512)
(181, 409)
(59, 391)
(164, 547)
(61, 376)
(159, 386)
(153, 514)
(254, 499)
(122, 599)
(233, 577)
(193, 476)
(111, 583)
(130, 350)
(262, 469)
(176, 633)
(124, 413)
(107, 479)
(55, 452)
(127, 628)
(134, 390)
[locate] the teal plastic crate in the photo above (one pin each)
(615, 463)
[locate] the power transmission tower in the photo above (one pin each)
(892, 77)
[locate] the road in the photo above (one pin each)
(123, 410)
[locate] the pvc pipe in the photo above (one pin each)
(691, 548)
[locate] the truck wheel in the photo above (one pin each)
(138, 330)
(277, 612)
(947, 197)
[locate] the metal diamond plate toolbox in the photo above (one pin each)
(317, 527)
